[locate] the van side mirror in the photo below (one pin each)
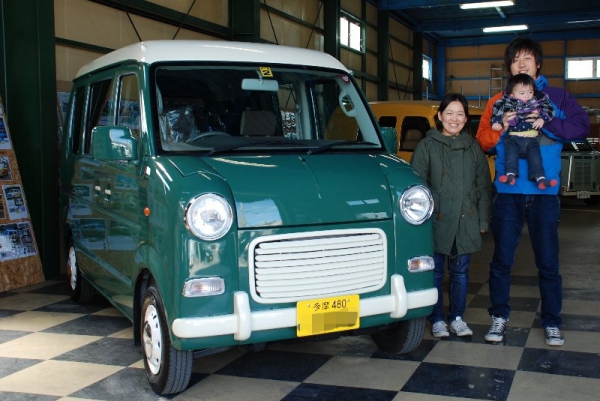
(390, 139)
(113, 143)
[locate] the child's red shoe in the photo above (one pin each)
(544, 183)
(507, 179)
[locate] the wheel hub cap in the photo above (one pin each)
(152, 338)
(72, 266)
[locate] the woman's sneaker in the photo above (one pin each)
(497, 329)
(440, 329)
(553, 336)
(460, 328)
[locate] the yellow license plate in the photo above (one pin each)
(327, 315)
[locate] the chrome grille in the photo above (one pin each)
(294, 267)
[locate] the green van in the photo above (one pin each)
(221, 194)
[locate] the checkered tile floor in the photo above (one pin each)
(54, 349)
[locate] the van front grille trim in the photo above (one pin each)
(318, 264)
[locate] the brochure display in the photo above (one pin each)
(20, 263)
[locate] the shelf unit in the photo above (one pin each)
(496, 79)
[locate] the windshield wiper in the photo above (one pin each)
(246, 144)
(336, 144)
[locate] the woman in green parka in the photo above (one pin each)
(457, 172)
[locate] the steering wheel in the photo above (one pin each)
(207, 134)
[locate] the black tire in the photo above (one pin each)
(401, 337)
(81, 290)
(168, 369)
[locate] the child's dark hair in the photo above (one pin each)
(452, 97)
(521, 44)
(520, 79)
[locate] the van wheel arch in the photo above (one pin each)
(144, 281)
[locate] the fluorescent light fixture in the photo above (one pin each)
(487, 4)
(506, 28)
(583, 21)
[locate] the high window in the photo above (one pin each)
(583, 68)
(351, 33)
(427, 68)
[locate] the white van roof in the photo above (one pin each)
(203, 50)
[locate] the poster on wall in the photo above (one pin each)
(4, 138)
(15, 202)
(5, 173)
(63, 103)
(16, 241)
(2, 208)
(20, 263)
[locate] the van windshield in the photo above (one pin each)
(250, 108)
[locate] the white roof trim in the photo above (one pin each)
(203, 50)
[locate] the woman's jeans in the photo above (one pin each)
(459, 280)
(541, 213)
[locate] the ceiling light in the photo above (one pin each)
(487, 4)
(505, 28)
(583, 21)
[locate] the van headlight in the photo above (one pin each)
(209, 217)
(416, 204)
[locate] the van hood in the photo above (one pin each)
(275, 191)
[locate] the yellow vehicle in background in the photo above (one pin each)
(413, 118)
(580, 173)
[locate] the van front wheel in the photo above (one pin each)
(401, 337)
(168, 369)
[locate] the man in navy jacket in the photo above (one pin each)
(524, 202)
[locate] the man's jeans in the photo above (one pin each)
(459, 281)
(516, 147)
(541, 213)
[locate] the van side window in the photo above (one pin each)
(128, 114)
(414, 129)
(77, 119)
(99, 110)
(335, 124)
(472, 125)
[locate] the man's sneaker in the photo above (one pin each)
(440, 329)
(497, 329)
(460, 328)
(553, 336)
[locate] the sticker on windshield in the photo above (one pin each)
(266, 72)
(345, 78)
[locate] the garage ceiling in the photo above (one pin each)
(445, 22)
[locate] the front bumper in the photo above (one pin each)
(243, 321)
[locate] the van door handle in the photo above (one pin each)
(107, 193)
(97, 190)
